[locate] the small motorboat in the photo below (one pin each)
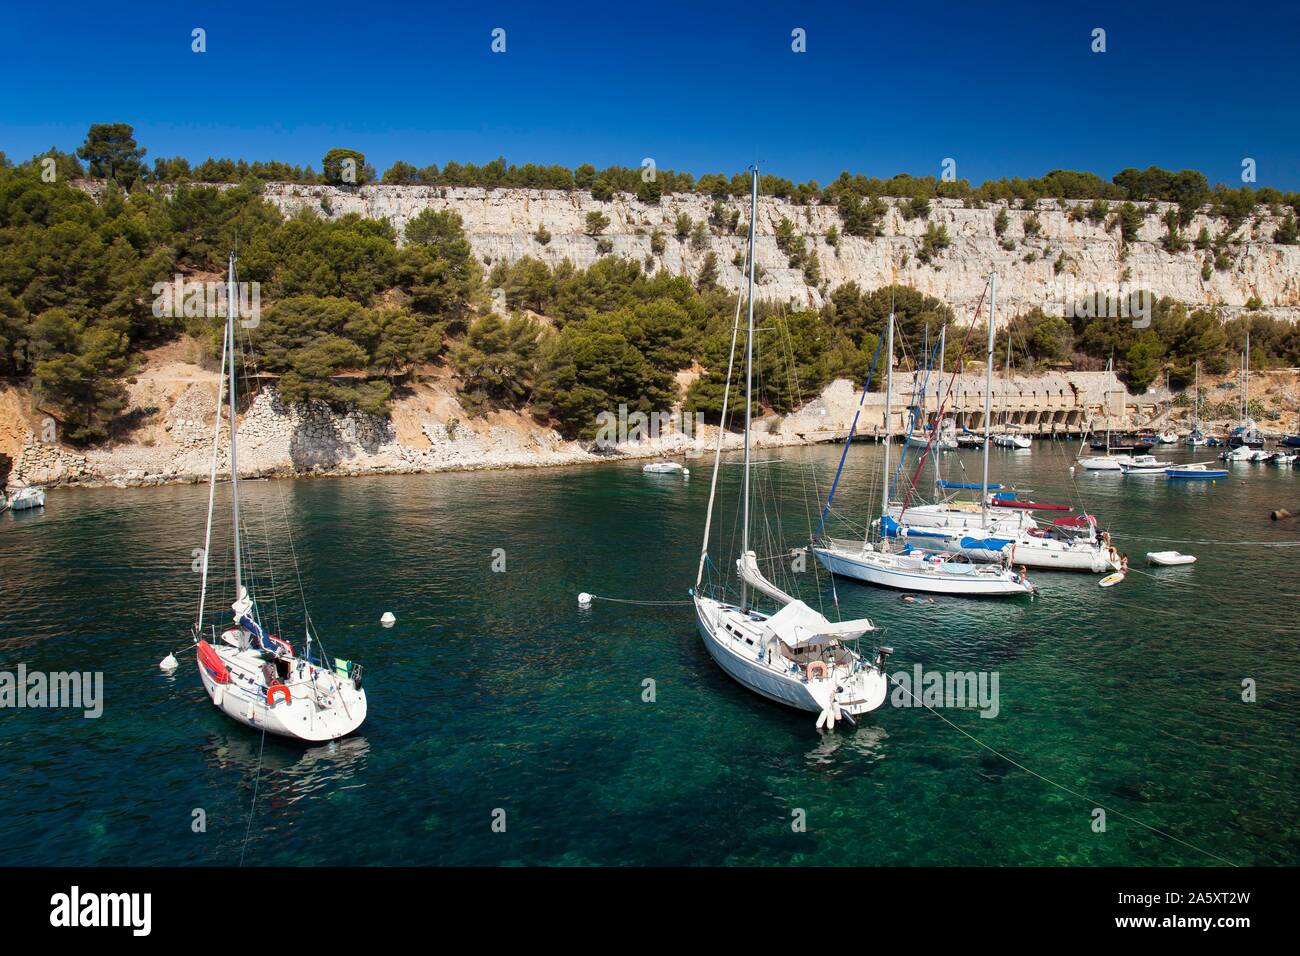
(1168, 437)
(1138, 466)
(1170, 559)
(665, 468)
(1196, 472)
(1238, 454)
(1284, 458)
(1105, 462)
(1007, 440)
(1291, 441)
(27, 498)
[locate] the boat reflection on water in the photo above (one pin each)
(848, 750)
(288, 773)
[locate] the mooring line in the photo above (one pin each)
(1255, 544)
(1060, 786)
(257, 779)
(614, 600)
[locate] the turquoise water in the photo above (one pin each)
(496, 692)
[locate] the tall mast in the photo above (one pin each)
(937, 435)
(1006, 384)
(749, 369)
(988, 401)
(1245, 392)
(889, 415)
(1196, 397)
(234, 462)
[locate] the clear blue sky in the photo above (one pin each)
(1004, 88)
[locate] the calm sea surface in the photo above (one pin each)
(494, 691)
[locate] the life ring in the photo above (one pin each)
(818, 667)
(276, 689)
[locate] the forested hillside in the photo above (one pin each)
(342, 296)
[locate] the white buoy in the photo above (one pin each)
(584, 599)
(388, 620)
(686, 473)
(168, 663)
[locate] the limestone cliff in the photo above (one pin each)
(500, 222)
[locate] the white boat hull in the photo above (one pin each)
(964, 516)
(1044, 554)
(1019, 442)
(911, 573)
(1104, 462)
(863, 691)
(1083, 556)
(25, 499)
(303, 717)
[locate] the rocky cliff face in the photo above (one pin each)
(500, 224)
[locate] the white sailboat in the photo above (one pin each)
(250, 675)
(1196, 438)
(1067, 544)
(795, 656)
(1007, 438)
(1247, 433)
(880, 563)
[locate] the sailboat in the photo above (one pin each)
(945, 438)
(1247, 433)
(1069, 543)
(250, 675)
(884, 564)
(1115, 454)
(794, 655)
(1196, 438)
(1006, 438)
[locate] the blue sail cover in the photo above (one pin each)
(984, 544)
(260, 638)
(966, 485)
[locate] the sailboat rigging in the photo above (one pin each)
(795, 655)
(899, 562)
(249, 674)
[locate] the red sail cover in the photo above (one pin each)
(212, 663)
(1027, 505)
(1076, 521)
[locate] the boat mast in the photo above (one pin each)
(936, 436)
(1196, 399)
(889, 415)
(212, 487)
(234, 462)
(988, 401)
(749, 370)
(1245, 392)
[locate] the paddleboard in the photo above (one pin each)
(1110, 580)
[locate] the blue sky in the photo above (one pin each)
(1003, 88)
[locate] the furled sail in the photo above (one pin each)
(797, 625)
(747, 565)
